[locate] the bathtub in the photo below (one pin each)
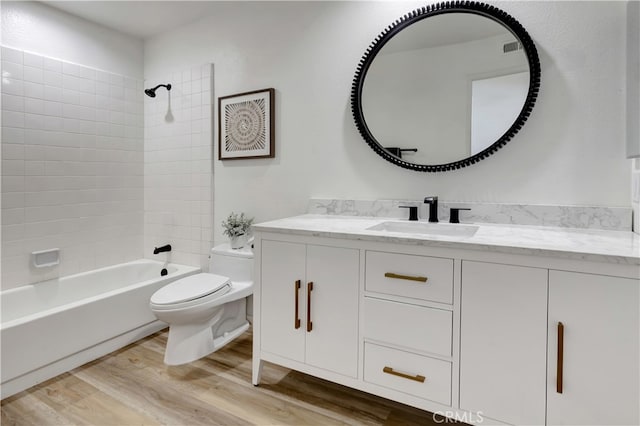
(51, 327)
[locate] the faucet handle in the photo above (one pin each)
(454, 214)
(413, 211)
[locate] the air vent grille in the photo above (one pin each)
(513, 46)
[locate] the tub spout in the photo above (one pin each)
(162, 249)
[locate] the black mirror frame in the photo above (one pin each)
(483, 9)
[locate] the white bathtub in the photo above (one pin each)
(51, 327)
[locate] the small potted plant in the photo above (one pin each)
(237, 228)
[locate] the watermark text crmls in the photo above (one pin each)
(444, 417)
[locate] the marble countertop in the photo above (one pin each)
(622, 247)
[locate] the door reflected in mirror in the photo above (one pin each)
(495, 104)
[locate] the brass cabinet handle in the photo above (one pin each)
(297, 318)
(309, 290)
(560, 359)
(417, 377)
(405, 277)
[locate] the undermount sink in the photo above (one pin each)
(425, 228)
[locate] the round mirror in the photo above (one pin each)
(445, 86)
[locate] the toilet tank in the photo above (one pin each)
(236, 264)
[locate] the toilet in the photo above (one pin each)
(208, 310)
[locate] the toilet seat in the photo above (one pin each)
(192, 290)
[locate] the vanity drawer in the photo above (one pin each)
(411, 326)
(417, 375)
(398, 274)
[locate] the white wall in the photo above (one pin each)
(633, 78)
(633, 105)
(571, 151)
(38, 28)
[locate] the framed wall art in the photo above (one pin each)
(246, 125)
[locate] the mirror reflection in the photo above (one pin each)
(445, 88)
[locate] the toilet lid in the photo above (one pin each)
(191, 288)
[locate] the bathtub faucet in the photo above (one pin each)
(162, 249)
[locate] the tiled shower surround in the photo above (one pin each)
(72, 166)
(178, 167)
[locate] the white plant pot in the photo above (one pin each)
(238, 241)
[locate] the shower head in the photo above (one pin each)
(152, 92)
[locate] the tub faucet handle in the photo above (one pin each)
(162, 249)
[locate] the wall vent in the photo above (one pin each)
(513, 46)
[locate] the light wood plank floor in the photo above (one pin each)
(133, 387)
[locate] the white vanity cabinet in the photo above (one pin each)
(471, 334)
(309, 304)
(596, 319)
(503, 342)
(553, 347)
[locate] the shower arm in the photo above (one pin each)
(152, 92)
(168, 86)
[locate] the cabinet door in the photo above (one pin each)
(600, 370)
(283, 265)
(332, 343)
(503, 342)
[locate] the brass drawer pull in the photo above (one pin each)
(417, 377)
(405, 277)
(309, 290)
(560, 360)
(296, 323)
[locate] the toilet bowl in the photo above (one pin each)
(207, 310)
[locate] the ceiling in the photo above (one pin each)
(140, 19)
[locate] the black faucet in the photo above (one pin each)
(433, 208)
(162, 249)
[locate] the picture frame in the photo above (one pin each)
(246, 125)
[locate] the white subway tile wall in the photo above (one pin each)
(72, 166)
(178, 166)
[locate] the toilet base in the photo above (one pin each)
(190, 342)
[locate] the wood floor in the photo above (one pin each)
(133, 387)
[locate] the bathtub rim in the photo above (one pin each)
(180, 270)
